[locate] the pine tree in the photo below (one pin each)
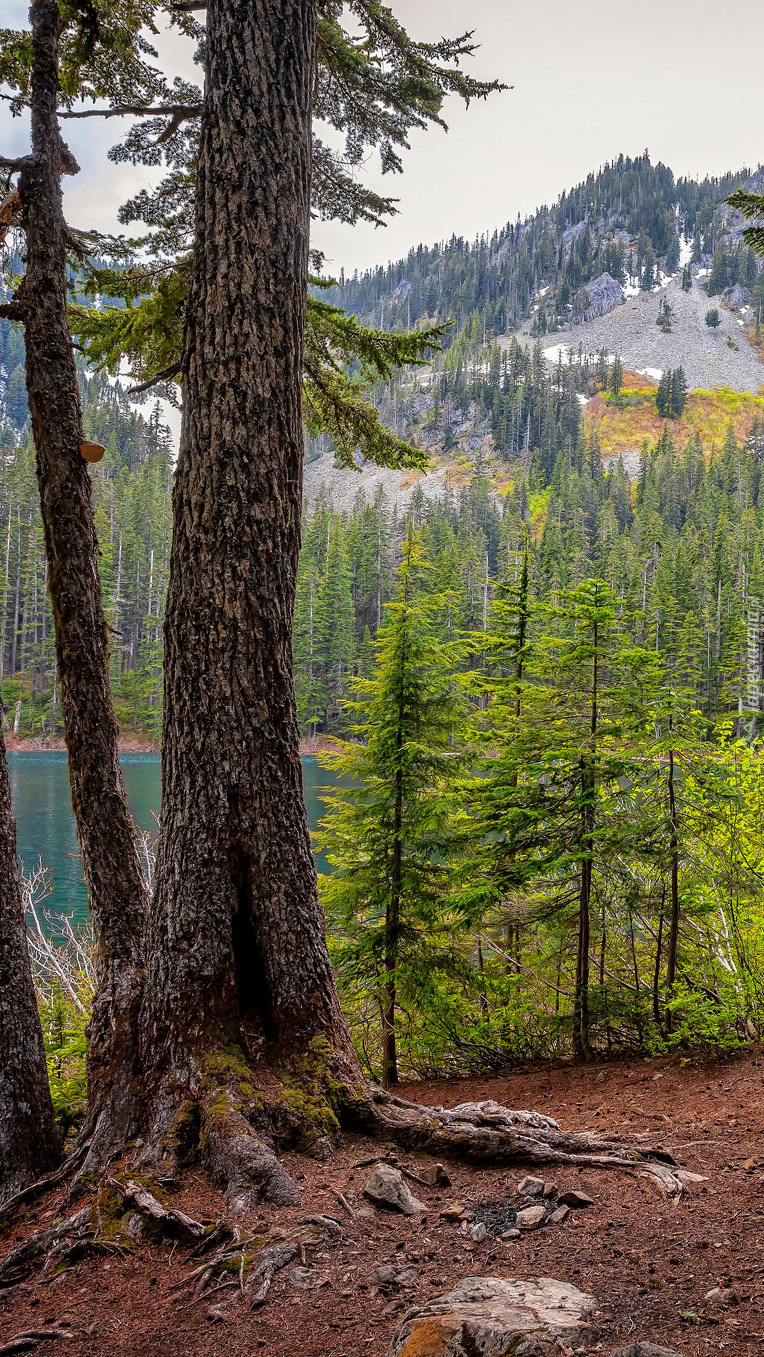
(387, 835)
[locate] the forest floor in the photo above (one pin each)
(648, 1261)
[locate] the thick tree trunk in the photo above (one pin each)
(29, 1141)
(237, 947)
(104, 827)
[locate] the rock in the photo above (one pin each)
(531, 1187)
(646, 1350)
(561, 1214)
(722, 1295)
(478, 1233)
(737, 296)
(305, 1279)
(485, 1316)
(510, 1234)
(531, 1217)
(551, 1189)
(386, 1187)
(453, 1211)
(435, 1176)
(576, 1199)
(387, 1277)
(597, 299)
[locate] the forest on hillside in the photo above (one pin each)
(627, 220)
(682, 546)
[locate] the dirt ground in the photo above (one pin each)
(649, 1262)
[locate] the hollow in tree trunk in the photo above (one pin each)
(109, 854)
(29, 1140)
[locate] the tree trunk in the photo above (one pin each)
(104, 827)
(237, 917)
(673, 936)
(29, 1141)
(581, 1043)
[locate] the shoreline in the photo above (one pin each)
(137, 744)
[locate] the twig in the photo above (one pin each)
(343, 1201)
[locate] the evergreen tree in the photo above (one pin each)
(387, 835)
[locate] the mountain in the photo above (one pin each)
(628, 264)
(628, 221)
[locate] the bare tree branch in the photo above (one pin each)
(179, 111)
(154, 381)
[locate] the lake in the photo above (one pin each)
(40, 791)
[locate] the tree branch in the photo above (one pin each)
(179, 111)
(154, 381)
(20, 163)
(12, 311)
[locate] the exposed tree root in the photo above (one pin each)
(246, 1167)
(487, 1133)
(43, 1244)
(30, 1338)
(14, 1204)
(176, 1224)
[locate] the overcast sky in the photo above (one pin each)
(592, 79)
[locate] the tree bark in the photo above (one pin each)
(673, 937)
(109, 854)
(29, 1140)
(237, 941)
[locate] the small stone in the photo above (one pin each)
(576, 1199)
(721, 1295)
(435, 1176)
(646, 1350)
(386, 1187)
(561, 1214)
(531, 1218)
(305, 1279)
(510, 1234)
(531, 1187)
(387, 1277)
(551, 1189)
(215, 1314)
(478, 1233)
(453, 1211)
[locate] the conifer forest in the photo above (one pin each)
(477, 537)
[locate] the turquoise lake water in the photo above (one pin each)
(40, 791)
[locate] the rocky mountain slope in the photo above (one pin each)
(710, 357)
(590, 274)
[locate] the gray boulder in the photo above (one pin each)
(386, 1187)
(492, 1316)
(737, 296)
(597, 299)
(646, 1350)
